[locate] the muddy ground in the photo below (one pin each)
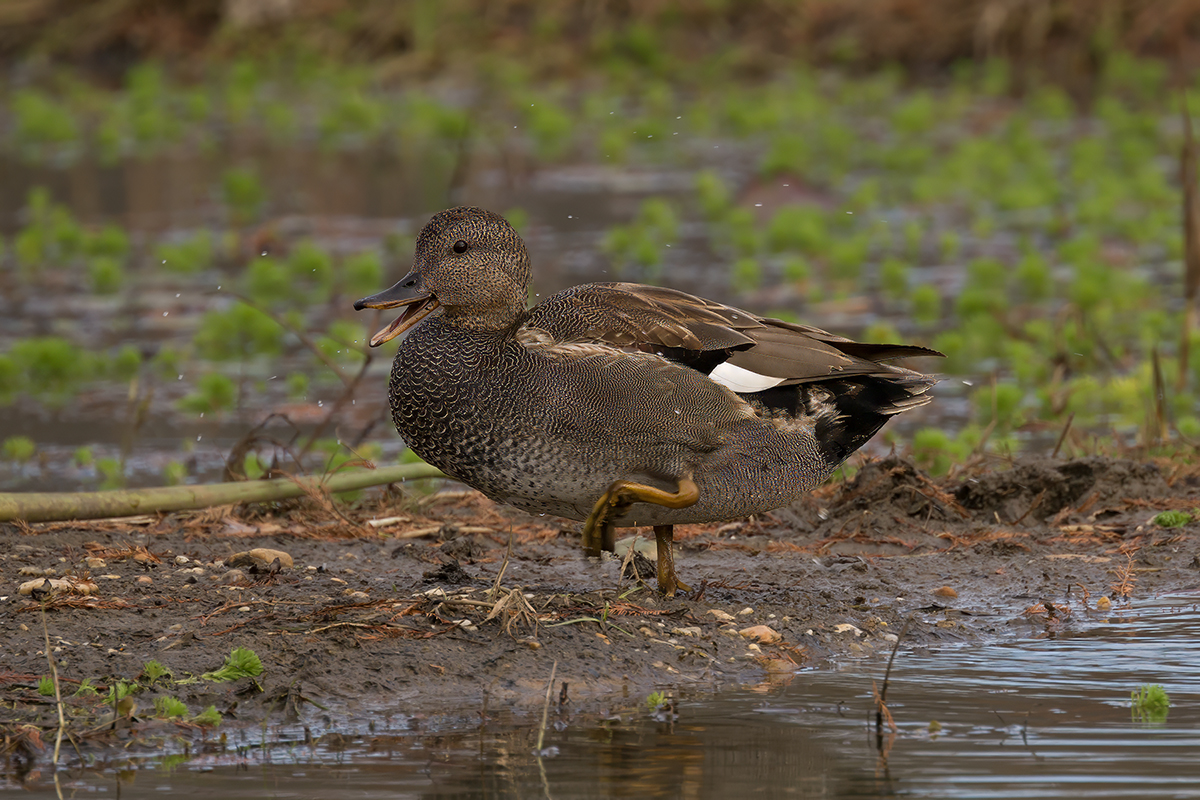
(433, 611)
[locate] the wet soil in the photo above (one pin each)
(460, 603)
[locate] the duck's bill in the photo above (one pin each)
(406, 294)
(414, 311)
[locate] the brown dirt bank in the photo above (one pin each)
(432, 612)
(1060, 39)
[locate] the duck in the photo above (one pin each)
(620, 404)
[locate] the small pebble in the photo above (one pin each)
(761, 633)
(233, 576)
(181, 560)
(145, 579)
(945, 591)
(721, 615)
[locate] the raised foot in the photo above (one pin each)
(598, 529)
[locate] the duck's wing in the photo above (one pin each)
(735, 348)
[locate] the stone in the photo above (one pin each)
(761, 633)
(260, 559)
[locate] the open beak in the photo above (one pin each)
(408, 294)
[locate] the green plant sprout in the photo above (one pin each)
(169, 708)
(1173, 519)
(1149, 703)
(20, 449)
(215, 392)
(153, 671)
(208, 718)
(119, 690)
(240, 663)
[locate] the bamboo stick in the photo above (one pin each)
(57, 506)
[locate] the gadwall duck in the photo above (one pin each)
(620, 404)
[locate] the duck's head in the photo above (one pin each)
(469, 262)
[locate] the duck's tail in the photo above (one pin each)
(848, 411)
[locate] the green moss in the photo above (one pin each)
(175, 473)
(187, 256)
(801, 228)
(297, 386)
(105, 275)
(361, 274)
(1173, 519)
(893, 278)
(112, 473)
(83, 457)
(11, 380)
(746, 275)
(712, 194)
(1001, 404)
(41, 124)
(268, 282)
(243, 194)
(311, 266)
(926, 304)
(214, 393)
(796, 269)
(51, 368)
(935, 450)
(20, 449)
(237, 333)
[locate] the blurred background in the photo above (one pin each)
(195, 192)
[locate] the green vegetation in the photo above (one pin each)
(214, 392)
(122, 694)
(18, 448)
(240, 663)
(655, 699)
(1173, 519)
(153, 671)
(1037, 243)
(169, 708)
(1150, 703)
(638, 249)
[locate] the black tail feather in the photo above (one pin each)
(848, 411)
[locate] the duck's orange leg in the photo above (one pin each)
(668, 581)
(599, 534)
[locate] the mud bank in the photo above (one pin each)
(435, 608)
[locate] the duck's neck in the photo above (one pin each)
(495, 317)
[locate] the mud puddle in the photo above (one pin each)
(1042, 718)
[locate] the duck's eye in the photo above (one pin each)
(460, 246)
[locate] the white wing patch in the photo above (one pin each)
(742, 380)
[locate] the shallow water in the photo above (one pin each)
(1041, 718)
